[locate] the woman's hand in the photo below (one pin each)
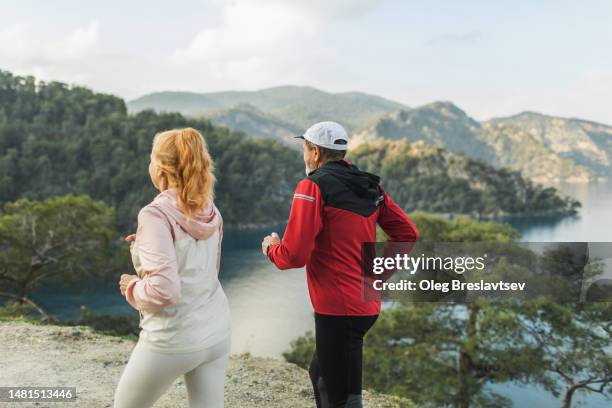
(130, 238)
(125, 281)
(268, 241)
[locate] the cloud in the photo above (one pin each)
(28, 51)
(330, 8)
(263, 41)
(248, 30)
(22, 45)
(468, 37)
(240, 44)
(78, 43)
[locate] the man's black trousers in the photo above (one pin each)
(336, 366)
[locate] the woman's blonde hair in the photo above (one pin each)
(184, 162)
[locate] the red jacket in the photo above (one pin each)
(334, 210)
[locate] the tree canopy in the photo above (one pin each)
(62, 240)
(441, 354)
(57, 139)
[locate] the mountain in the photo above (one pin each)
(543, 148)
(586, 143)
(431, 178)
(298, 106)
(255, 123)
(499, 143)
(439, 123)
(57, 139)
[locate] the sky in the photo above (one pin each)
(491, 58)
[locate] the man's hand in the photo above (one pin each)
(268, 241)
(125, 281)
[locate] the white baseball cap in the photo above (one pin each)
(330, 135)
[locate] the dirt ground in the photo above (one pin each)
(45, 355)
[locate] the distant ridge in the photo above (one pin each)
(91, 143)
(298, 106)
(256, 123)
(544, 148)
(584, 142)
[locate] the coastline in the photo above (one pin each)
(499, 216)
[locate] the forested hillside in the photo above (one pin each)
(300, 106)
(543, 148)
(57, 139)
(431, 178)
(499, 143)
(584, 142)
(256, 123)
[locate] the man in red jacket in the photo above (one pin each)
(335, 209)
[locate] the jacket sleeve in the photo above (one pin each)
(161, 284)
(396, 224)
(305, 223)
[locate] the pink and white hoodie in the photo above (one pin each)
(178, 294)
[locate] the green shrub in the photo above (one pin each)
(114, 325)
(301, 350)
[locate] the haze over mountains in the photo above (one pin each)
(544, 148)
(54, 131)
(535, 148)
(296, 105)
(252, 121)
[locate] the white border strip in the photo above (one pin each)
(304, 197)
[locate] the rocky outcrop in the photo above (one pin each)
(543, 148)
(433, 179)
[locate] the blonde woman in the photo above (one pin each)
(185, 321)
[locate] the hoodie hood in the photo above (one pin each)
(365, 185)
(202, 224)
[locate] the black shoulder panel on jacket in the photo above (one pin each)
(346, 187)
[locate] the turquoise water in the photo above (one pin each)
(271, 307)
(593, 223)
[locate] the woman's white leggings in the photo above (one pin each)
(148, 374)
